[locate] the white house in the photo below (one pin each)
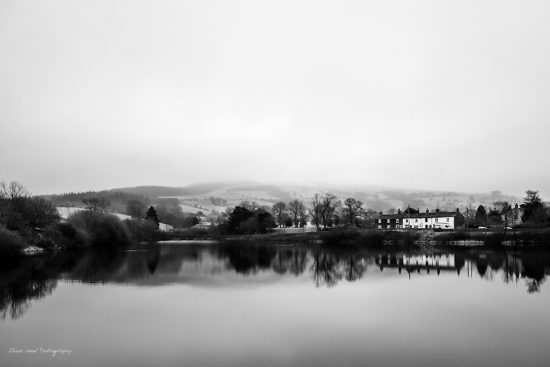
(435, 219)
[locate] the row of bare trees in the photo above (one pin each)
(291, 213)
(325, 210)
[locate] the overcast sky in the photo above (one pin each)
(450, 95)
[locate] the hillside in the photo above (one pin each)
(217, 196)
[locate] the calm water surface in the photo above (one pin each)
(255, 305)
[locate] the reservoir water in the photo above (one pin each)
(219, 304)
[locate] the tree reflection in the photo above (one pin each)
(248, 259)
(481, 265)
(37, 277)
(325, 269)
(15, 297)
(153, 257)
(31, 279)
(293, 261)
(354, 267)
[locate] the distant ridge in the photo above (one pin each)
(153, 191)
(220, 195)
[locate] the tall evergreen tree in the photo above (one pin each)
(152, 215)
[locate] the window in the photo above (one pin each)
(416, 220)
(425, 219)
(379, 220)
(436, 219)
(397, 220)
(406, 221)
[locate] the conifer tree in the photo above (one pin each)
(152, 216)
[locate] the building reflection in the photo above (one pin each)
(420, 262)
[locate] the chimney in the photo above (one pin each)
(457, 210)
(399, 211)
(380, 213)
(427, 210)
(437, 210)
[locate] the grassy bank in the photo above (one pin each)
(348, 237)
(463, 238)
(203, 234)
(371, 238)
(379, 238)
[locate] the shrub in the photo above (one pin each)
(67, 236)
(102, 229)
(11, 244)
(143, 230)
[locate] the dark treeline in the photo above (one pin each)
(26, 220)
(324, 211)
(117, 201)
(154, 192)
(533, 212)
(34, 278)
(21, 215)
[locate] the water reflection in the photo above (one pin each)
(212, 265)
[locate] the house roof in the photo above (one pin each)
(419, 215)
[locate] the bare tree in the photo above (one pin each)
(96, 204)
(39, 212)
(352, 209)
(303, 217)
(505, 210)
(13, 191)
(297, 210)
(315, 211)
(279, 210)
(469, 214)
(330, 203)
(323, 208)
(13, 200)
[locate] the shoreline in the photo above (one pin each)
(379, 238)
(538, 239)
